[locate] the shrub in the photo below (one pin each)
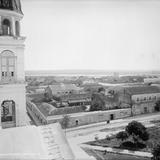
(137, 131)
(122, 135)
(65, 121)
(98, 102)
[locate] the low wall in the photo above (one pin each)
(85, 118)
(35, 113)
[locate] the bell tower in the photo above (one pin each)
(12, 77)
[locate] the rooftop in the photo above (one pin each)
(63, 87)
(137, 89)
(143, 90)
(75, 97)
(36, 143)
(46, 108)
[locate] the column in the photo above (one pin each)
(13, 31)
(1, 31)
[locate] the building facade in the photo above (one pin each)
(141, 99)
(12, 76)
(75, 119)
(61, 89)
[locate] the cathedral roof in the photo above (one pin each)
(13, 5)
(45, 142)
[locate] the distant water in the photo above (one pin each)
(94, 73)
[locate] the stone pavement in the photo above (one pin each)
(120, 151)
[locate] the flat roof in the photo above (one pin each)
(34, 143)
(21, 141)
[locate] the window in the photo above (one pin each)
(144, 98)
(3, 73)
(149, 98)
(137, 99)
(7, 65)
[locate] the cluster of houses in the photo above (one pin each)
(64, 95)
(120, 101)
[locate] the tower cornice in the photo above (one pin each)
(11, 13)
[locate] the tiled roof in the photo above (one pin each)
(75, 97)
(136, 89)
(142, 89)
(46, 108)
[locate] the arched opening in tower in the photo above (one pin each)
(6, 27)
(8, 113)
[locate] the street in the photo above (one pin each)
(83, 134)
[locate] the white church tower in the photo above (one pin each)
(12, 77)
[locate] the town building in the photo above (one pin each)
(76, 99)
(43, 116)
(141, 98)
(119, 102)
(12, 76)
(61, 89)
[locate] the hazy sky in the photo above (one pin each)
(91, 34)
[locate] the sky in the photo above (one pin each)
(91, 34)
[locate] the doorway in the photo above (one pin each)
(111, 116)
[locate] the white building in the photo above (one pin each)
(12, 76)
(34, 143)
(26, 142)
(62, 89)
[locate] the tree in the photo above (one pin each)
(122, 135)
(156, 152)
(98, 102)
(101, 90)
(65, 122)
(137, 131)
